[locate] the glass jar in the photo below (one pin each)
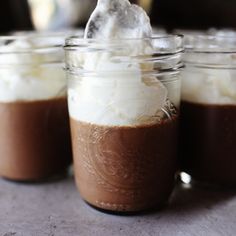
(35, 137)
(208, 110)
(123, 100)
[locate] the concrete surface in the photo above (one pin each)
(56, 209)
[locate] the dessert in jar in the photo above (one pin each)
(35, 136)
(123, 96)
(208, 110)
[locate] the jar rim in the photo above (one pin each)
(154, 36)
(31, 49)
(165, 51)
(75, 42)
(205, 43)
(35, 41)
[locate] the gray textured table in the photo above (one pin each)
(56, 209)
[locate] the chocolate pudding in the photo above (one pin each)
(208, 142)
(125, 168)
(34, 139)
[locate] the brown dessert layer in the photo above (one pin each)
(125, 168)
(34, 139)
(208, 142)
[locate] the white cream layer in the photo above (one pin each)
(118, 94)
(26, 76)
(209, 86)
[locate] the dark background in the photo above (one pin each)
(170, 14)
(194, 14)
(14, 15)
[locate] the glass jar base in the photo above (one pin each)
(147, 211)
(46, 179)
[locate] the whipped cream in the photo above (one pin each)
(28, 72)
(209, 86)
(118, 94)
(109, 102)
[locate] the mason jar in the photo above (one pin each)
(35, 136)
(208, 110)
(123, 98)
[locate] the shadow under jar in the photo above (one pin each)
(35, 135)
(208, 110)
(123, 100)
